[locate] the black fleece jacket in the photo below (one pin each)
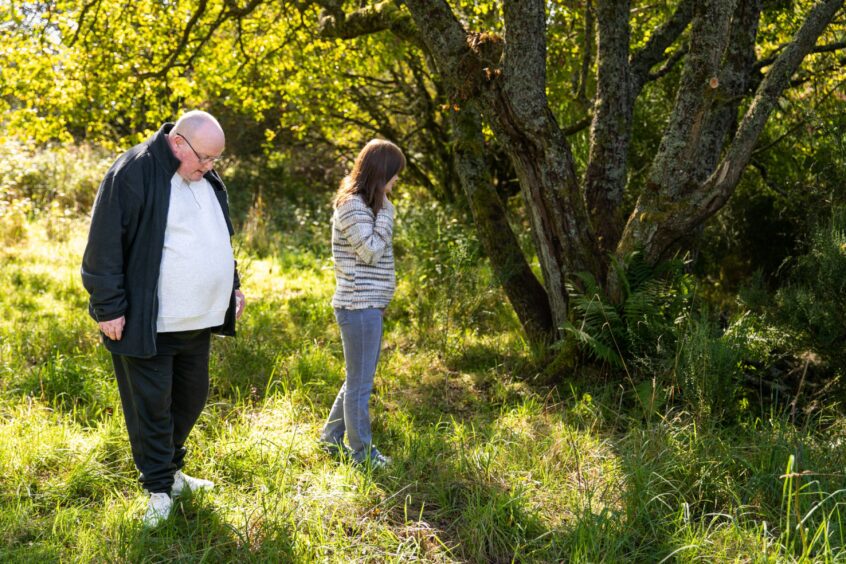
(120, 267)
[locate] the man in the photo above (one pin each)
(161, 274)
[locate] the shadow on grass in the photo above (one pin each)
(482, 488)
(195, 532)
(480, 358)
(240, 368)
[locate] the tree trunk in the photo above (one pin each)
(513, 99)
(606, 174)
(515, 104)
(525, 293)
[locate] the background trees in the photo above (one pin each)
(625, 126)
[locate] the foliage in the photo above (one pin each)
(786, 192)
(814, 300)
(276, 208)
(641, 327)
(103, 75)
(673, 349)
(446, 289)
(64, 177)
(709, 367)
(58, 183)
(14, 213)
(297, 100)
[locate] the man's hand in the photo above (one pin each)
(240, 303)
(113, 329)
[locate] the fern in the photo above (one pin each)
(594, 347)
(642, 325)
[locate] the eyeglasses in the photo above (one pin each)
(203, 160)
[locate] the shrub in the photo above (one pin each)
(670, 347)
(64, 176)
(448, 285)
(708, 369)
(14, 213)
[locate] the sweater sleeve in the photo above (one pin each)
(368, 235)
(113, 221)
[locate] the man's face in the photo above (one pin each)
(198, 153)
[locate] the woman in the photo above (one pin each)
(362, 230)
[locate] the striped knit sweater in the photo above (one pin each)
(363, 254)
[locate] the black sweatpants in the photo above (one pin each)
(162, 398)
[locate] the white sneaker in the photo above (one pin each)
(374, 461)
(379, 460)
(181, 482)
(158, 509)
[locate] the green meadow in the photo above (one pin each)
(501, 452)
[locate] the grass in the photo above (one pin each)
(487, 466)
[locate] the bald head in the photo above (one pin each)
(196, 124)
(197, 141)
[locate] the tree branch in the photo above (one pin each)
(653, 52)
(669, 64)
(799, 124)
(445, 40)
(658, 228)
(80, 23)
(720, 185)
(762, 171)
(696, 92)
(369, 19)
(578, 126)
(587, 57)
(767, 61)
(180, 47)
(524, 61)
(225, 14)
(662, 216)
(720, 118)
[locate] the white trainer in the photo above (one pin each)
(158, 509)
(181, 482)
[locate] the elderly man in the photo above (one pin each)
(161, 274)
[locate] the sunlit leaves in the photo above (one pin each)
(113, 70)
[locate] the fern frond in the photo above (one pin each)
(594, 347)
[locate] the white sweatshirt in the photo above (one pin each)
(197, 270)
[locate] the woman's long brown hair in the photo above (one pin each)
(375, 165)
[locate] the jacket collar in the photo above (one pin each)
(160, 149)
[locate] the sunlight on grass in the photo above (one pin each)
(488, 466)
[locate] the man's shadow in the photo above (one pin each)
(196, 531)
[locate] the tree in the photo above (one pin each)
(579, 220)
(490, 64)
